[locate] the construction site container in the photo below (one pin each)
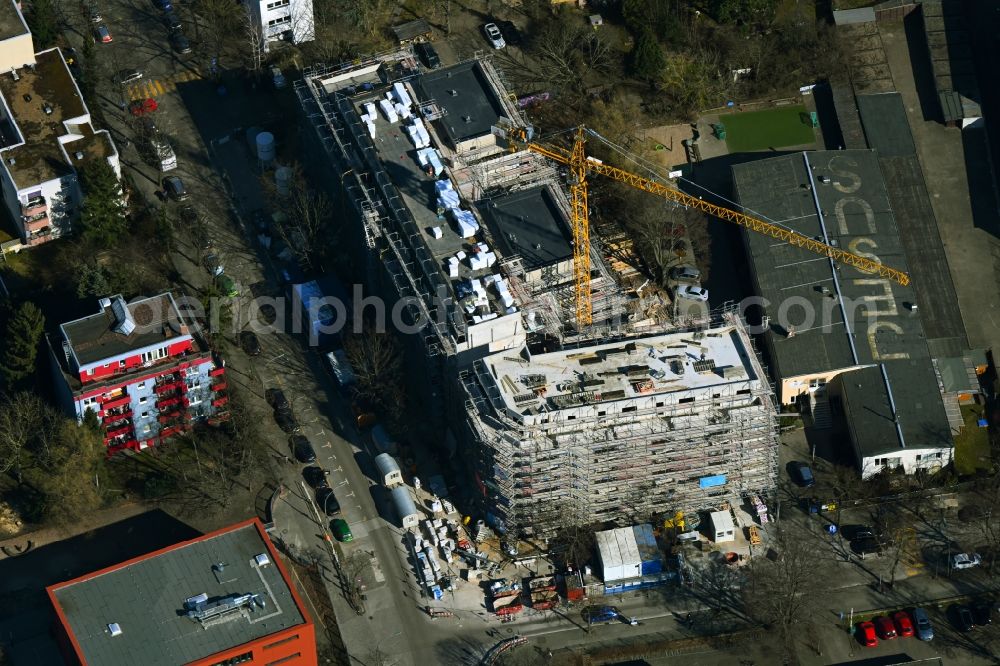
(573, 586)
(389, 473)
(382, 442)
(649, 551)
(619, 554)
(405, 508)
(722, 527)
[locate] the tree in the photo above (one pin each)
(255, 42)
(20, 421)
(304, 224)
(67, 471)
(782, 593)
(648, 61)
(24, 332)
(91, 281)
(103, 212)
(43, 20)
(378, 364)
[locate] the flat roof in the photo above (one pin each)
(470, 103)
(623, 370)
(94, 339)
(91, 146)
(919, 410)
(11, 22)
(528, 223)
(49, 86)
(948, 43)
(146, 598)
(887, 130)
(857, 214)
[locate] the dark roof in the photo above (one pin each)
(471, 104)
(410, 30)
(869, 412)
(847, 115)
(887, 130)
(948, 44)
(146, 598)
(528, 223)
(11, 23)
(94, 339)
(49, 83)
(880, 328)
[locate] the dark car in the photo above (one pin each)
(961, 617)
(286, 420)
(427, 54)
(801, 474)
(175, 189)
(250, 343)
(276, 398)
(165, 5)
(982, 614)
(327, 501)
(884, 627)
(180, 42)
(171, 20)
(102, 35)
(302, 448)
(316, 477)
(853, 532)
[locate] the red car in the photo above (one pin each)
(885, 628)
(866, 634)
(904, 626)
(141, 107)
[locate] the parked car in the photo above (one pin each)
(141, 107)
(179, 42)
(276, 398)
(250, 343)
(302, 448)
(925, 630)
(962, 617)
(965, 560)
(982, 614)
(95, 15)
(427, 54)
(689, 273)
(278, 77)
(286, 420)
(174, 188)
(493, 35)
(341, 530)
(904, 626)
(165, 5)
(801, 474)
(884, 627)
(327, 501)
(213, 264)
(102, 35)
(126, 76)
(692, 292)
(316, 477)
(866, 634)
(267, 314)
(172, 21)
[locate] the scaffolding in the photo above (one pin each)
(619, 465)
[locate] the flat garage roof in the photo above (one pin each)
(470, 102)
(528, 223)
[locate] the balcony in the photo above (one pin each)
(118, 432)
(221, 386)
(35, 223)
(170, 386)
(113, 415)
(114, 403)
(34, 207)
(168, 402)
(170, 416)
(219, 402)
(217, 372)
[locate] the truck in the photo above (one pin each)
(161, 152)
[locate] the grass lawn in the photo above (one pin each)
(772, 128)
(972, 446)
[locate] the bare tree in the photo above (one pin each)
(255, 43)
(782, 591)
(304, 222)
(21, 419)
(378, 364)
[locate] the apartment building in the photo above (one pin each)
(140, 369)
(674, 422)
(283, 20)
(46, 136)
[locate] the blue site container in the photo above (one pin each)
(649, 552)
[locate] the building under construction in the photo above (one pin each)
(474, 244)
(678, 421)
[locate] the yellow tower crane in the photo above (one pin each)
(580, 165)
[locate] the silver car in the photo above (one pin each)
(922, 624)
(687, 273)
(494, 36)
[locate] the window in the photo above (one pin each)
(142, 400)
(284, 659)
(685, 400)
(145, 414)
(282, 642)
(121, 363)
(244, 658)
(277, 4)
(142, 384)
(107, 365)
(280, 20)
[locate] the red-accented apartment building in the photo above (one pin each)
(140, 369)
(221, 599)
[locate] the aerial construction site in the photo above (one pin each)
(566, 391)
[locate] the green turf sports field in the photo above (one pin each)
(771, 128)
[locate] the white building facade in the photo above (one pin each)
(283, 20)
